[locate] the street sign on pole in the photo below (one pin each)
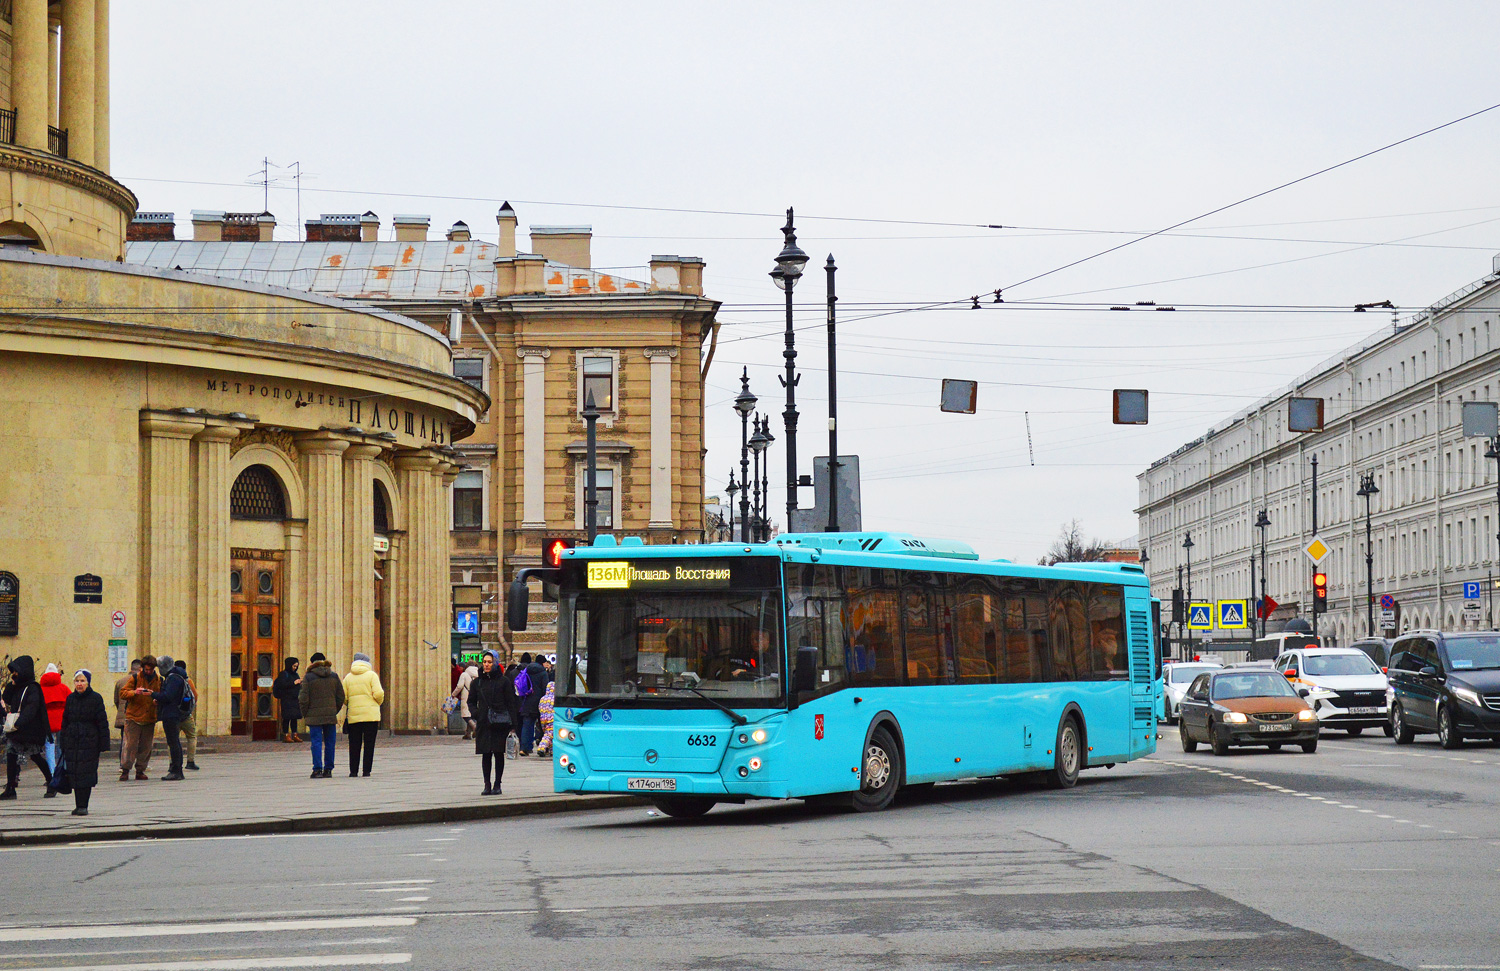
(1472, 611)
(1388, 605)
(1233, 614)
(1316, 550)
(1471, 589)
(1387, 617)
(1200, 615)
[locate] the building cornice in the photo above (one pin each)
(14, 158)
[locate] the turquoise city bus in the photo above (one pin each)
(839, 667)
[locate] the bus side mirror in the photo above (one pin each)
(805, 674)
(517, 605)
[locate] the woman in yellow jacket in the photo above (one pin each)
(362, 698)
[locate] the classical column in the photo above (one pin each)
(661, 435)
(359, 547)
(407, 689)
(533, 436)
(441, 586)
(54, 45)
(208, 660)
(325, 583)
(101, 84)
(76, 109)
(166, 567)
(28, 72)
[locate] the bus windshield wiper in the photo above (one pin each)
(589, 711)
(734, 715)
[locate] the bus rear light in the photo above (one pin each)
(755, 765)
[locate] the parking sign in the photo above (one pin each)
(1471, 589)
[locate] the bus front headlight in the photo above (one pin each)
(567, 735)
(759, 735)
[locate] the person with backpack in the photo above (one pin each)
(190, 721)
(320, 698)
(170, 702)
(531, 684)
(84, 736)
(25, 723)
(492, 702)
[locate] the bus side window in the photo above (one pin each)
(874, 630)
(973, 630)
(815, 618)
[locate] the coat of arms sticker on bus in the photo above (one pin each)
(818, 727)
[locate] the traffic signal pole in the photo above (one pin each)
(1315, 533)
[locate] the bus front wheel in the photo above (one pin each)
(683, 807)
(1068, 755)
(880, 774)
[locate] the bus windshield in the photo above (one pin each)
(723, 645)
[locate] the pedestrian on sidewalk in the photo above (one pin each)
(320, 698)
(363, 696)
(54, 696)
(285, 690)
(535, 685)
(28, 737)
(135, 668)
(169, 708)
(544, 723)
(461, 691)
(189, 720)
(140, 719)
(84, 736)
(492, 699)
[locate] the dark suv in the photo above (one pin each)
(1445, 683)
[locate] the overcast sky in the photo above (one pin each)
(898, 131)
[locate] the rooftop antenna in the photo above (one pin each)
(297, 180)
(264, 178)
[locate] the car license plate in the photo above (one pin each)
(1364, 711)
(1275, 728)
(651, 785)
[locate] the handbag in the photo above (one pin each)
(60, 781)
(450, 705)
(493, 717)
(14, 717)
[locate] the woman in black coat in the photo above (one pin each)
(23, 697)
(84, 734)
(287, 689)
(493, 705)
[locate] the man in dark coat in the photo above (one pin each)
(319, 700)
(536, 676)
(84, 735)
(169, 702)
(285, 690)
(492, 702)
(23, 697)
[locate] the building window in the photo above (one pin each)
(599, 380)
(256, 494)
(470, 370)
(604, 491)
(468, 500)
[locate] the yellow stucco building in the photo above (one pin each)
(224, 471)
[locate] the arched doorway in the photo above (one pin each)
(257, 595)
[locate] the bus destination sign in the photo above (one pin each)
(658, 575)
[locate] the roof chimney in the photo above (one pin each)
(334, 228)
(410, 229)
(459, 232)
(208, 225)
(563, 244)
(506, 218)
(267, 224)
(369, 227)
(151, 227)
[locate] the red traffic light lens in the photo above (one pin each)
(1320, 579)
(552, 551)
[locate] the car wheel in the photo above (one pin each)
(1389, 731)
(880, 776)
(1356, 731)
(1221, 744)
(1172, 717)
(1068, 757)
(1274, 746)
(1310, 747)
(1188, 745)
(683, 807)
(1399, 729)
(1448, 734)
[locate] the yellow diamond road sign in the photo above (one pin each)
(1316, 550)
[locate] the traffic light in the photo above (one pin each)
(1320, 592)
(1179, 607)
(552, 550)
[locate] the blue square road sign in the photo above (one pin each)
(1471, 589)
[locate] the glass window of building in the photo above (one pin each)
(470, 370)
(468, 500)
(599, 380)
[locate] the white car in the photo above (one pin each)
(1176, 676)
(1342, 684)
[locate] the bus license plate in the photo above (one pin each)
(1364, 711)
(1275, 728)
(651, 785)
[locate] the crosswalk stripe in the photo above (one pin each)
(242, 964)
(115, 931)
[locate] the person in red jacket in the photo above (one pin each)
(55, 697)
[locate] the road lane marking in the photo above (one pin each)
(415, 900)
(86, 932)
(406, 889)
(373, 883)
(240, 964)
(441, 839)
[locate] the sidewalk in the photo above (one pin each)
(263, 787)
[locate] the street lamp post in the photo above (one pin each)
(765, 482)
(744, 403)
(1367, 488)
(1493, 452)
(590, 491)
(758, 445)
(732, 488)
(788, 271)
(1187, 544)
(833, 407)
(1261, 522)
(1315, 534)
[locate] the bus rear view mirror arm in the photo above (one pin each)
(518, 596)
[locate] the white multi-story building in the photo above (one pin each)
(1393, 408)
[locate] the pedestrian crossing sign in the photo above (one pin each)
(1200, 615)
(1234, 614)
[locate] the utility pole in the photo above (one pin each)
(833, 408)
(1315, 533)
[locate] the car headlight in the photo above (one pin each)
(1467, 696)
(1307, 715)
(1321, 694)
(1235, 718)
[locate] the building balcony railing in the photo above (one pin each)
(57, 138)
(57, 141)
(7, 126)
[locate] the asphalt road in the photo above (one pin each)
(1364, 855)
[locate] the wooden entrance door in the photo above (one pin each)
(255, 651)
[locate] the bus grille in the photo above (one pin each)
(1140, 648)
(1143, 714)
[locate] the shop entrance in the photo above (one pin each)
(255, 646)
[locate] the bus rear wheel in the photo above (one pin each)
(1068, 755)
(683, 807)
(880, 774)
